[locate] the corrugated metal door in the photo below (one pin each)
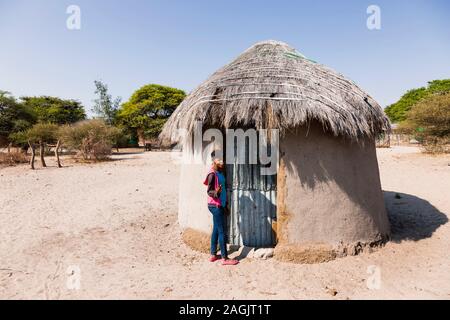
(252, 203)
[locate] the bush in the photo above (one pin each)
(19, 139)
(93, 139)
(429, 121)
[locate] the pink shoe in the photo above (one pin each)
(229, 262)
(214, 258)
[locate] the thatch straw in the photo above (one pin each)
(271, 85)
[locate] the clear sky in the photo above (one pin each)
(180, 43)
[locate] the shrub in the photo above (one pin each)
(93, 139)
(429, 121)
(19, 139)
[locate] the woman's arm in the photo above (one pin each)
(211, 190)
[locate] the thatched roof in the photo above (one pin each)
(271, 85)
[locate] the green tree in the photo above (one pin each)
(104, 106)
(148, 108)
(397, 111)
(55, 110)
(14, 117)
(39, 135)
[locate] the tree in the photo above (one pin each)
(14, 117)
(119, 138)
(149, 107)
(55, 110)
(429, 120)
(41, 134)
(397, 111)
(105, 107)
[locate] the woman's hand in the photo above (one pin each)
(219, 189)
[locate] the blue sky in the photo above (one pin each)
(180, 43)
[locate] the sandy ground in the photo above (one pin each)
(109, 230)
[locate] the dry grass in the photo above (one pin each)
(273, 86)
(13, 158)
(436, 146)
(197, 240)
(304, 254)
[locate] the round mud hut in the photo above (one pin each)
(324, 198)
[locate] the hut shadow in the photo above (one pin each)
(314, 168)
(348, 170)
(411, 218)
(243, 254)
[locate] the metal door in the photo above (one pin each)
(252, 205)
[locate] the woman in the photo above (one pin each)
(217, 199)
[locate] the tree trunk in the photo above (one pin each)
(42, 153)
(58, 162)
(33, 154)
(141, 137)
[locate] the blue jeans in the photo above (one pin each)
(218, 231)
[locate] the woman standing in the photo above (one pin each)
(217, 200)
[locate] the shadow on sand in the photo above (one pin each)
(243, 254)
(120, 153)
(411, 218)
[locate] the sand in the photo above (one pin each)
(109, 230)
